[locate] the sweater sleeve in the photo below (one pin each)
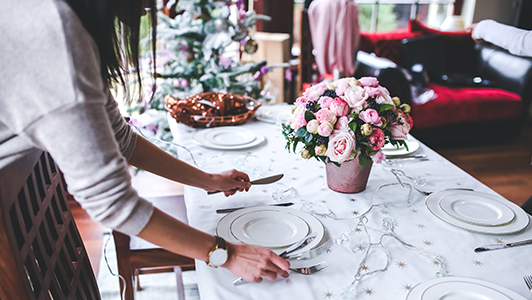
(516, 41)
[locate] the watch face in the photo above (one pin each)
(218, 257)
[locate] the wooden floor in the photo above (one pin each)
(505, 168)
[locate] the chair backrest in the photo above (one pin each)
(42, 254)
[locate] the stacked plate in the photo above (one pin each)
(391, 150)
(276, 228)
(461, 288)
(228, 138)
(478, 212)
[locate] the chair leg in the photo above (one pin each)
(137, 279)
(179, 283)
(123, 258)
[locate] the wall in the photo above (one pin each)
(504, 11)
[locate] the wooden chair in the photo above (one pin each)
(42, 254)
(136, 256)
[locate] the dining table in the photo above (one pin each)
(400, 238)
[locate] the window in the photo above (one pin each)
(387, 15)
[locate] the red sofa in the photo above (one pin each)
(470, 113)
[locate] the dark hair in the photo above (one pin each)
(114, 25)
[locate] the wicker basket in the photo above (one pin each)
(208, 109)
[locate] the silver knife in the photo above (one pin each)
(502, 246)
(407, 157)
(266, 180)
(228, 210)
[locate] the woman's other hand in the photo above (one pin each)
(471, 29)
(230, 182)
(253, 263)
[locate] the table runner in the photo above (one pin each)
(413, 224)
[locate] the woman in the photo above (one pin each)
(57, 61)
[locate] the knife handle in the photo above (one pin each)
(525, 242)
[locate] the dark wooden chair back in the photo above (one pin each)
(42, 254)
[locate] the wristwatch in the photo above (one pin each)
(218, 256)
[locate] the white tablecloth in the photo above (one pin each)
(414, 225)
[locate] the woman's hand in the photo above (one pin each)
(229, 182)
(253, 263)
(471, 29)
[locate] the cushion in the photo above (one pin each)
(385, 44)
(458, 47)
(455, 105)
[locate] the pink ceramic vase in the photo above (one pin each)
(349, 177)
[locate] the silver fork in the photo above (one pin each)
(528, 281)
(312, 269)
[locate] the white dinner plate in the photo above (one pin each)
(459, 290)
(390, 150)
(272, 229)
(229, 137)
(454, 289)
(476, 209)
(214, 138)
(223, 228)
(274, 113)
(519, 223)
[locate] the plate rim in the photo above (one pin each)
(420, 287)
(259, 211)
(199, 138)
(467, 282)
(413, 146)
(512, 227)
(221, 129)
(314, 225)
(464, 219)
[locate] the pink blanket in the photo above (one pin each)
(335, 35)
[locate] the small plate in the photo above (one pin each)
(203, 136)
(477, 210)
(229, 137)
(271, 229)
(274, 113)
(390, 150)
(315, 226)
(450, 290)
(520, 222)
(418, 291)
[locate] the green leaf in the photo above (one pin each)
(384, 107)
(309, 137)
(309, 116)
(362, 159)
(353, 125)
(301, 132)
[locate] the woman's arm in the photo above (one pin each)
(151, 158)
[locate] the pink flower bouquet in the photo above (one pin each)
(346, 119)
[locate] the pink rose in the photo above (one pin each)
(315, 91)
(325, 129)
(377, 139)
(301, 101)
(384, 99)
(325, 115)
(325, 102)
(339, 107)
(372, 91)
(370, 116)
(401, 128)
(295, 121)
(341, 147)
(356, 96)
(342, 123)
(341, 85)
(320, 150)
(379, 157)
(369, 81)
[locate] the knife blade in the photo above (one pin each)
(266, 180)
(502, 246)
(228, 210)
(407, 157)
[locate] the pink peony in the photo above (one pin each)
(401, 128)
(341, 85)
(377, 139)
(339, 107)
(295, 121)
(314, 92)
(369, 81)
(356, 96)
(325, 102)
(320, 150)
(325, 115)
(312, 126)
(370, 116)
(378, 157)
(301, 101)
(325, 129)
(341, 147)
(372, 91)
(342, 123)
